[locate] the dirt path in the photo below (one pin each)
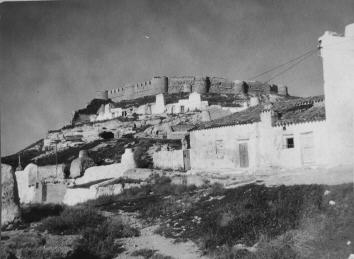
(149, 240)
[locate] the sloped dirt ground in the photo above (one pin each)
(149, 240)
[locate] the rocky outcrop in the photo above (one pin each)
(10, 203)
(80, 164)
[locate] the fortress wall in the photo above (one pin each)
(201, 85)
(131, 91)
(102, 94)
(116, 93)
(180, 84)
(221, 85)
(188, 84)
(258, 88)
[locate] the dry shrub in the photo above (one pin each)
(71, 221)
(99, 242)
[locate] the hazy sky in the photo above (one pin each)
(55, 55)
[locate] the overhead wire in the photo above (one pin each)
(304, 57)
(284, 64)
(290, 67)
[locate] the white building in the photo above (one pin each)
(338, 73)
(295, 133)
(107, 112)
(193, 103)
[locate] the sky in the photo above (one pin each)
(55, 55)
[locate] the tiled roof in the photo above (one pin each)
(250, 115)
(287, 111)
(182, 127)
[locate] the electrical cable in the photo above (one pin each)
(284, 64)
(290, 67)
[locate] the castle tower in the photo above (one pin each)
(102, 95)
(160, 84)
(201, 85)
(338, 73)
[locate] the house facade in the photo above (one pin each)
(314, 131)
(256, 138)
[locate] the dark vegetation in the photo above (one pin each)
(281, 222)
(91, 108)
(71, 221)
(150, 253)
(123, 181)
(147, 199)
(99, 242)
(96, 234)
(135, 102)
(245, 213)
(146, 253)
(284, 221)
(106, 135)
(36, 212)
(227, 100)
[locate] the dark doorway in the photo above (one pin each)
(243, 148)
(186, 160)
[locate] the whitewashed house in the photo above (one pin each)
(107, 112)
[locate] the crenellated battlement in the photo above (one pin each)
(188, 84)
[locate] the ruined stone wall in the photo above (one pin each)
(223, 86)
(156, 85)
(258, 88)
(187, 84)
(180, 84)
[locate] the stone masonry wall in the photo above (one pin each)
(187, 84)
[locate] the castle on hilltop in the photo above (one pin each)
(188, 84)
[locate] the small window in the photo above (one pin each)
(219, 149)
(289, 142)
